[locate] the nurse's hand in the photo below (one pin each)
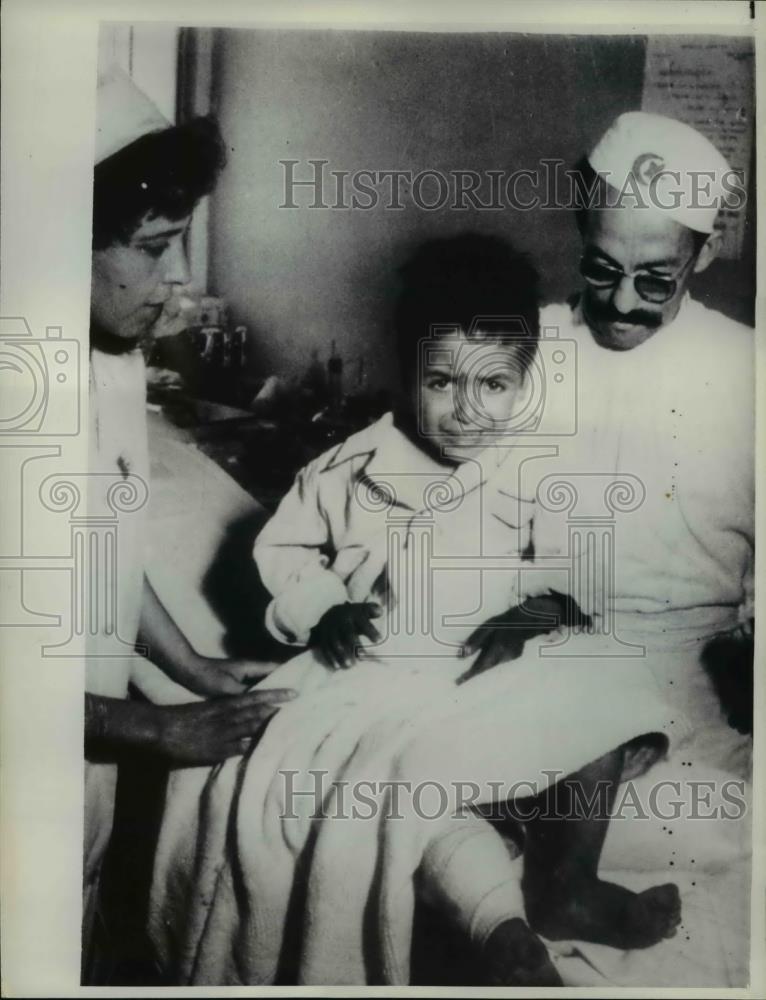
(212, 731)
(336, 635)
(197, 733)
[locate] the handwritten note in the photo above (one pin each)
(708, 83)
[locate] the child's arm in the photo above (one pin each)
(291, 553)
(169, 649)
(502, 638)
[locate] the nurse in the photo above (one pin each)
(148, 178)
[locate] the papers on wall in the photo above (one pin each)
(708, 83)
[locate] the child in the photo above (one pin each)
(467, 327)
(322, 555)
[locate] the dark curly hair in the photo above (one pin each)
(161, 174)
(453, 281)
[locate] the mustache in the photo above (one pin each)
(639, 317)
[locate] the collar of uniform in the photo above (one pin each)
(392, 459)
(364, 443)
(476, 471)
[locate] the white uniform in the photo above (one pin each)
(677, 413)
(118, 461)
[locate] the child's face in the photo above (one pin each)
(465, 394)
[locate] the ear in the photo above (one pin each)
(708, 253)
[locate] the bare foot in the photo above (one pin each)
(602, 912)
(515, 956)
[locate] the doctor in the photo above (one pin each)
(665, 390)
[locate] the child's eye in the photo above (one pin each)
(439, 383)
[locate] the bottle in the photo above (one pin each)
(314, 380)
(335, 380)
(361, 377)
(240, 335)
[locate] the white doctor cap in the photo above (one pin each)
(123, 113)
(675, 169)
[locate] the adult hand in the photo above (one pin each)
(337, 632)
(503, 637)
(211, 731)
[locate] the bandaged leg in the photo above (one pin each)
(473, 876)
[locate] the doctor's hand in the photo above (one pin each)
(503, 637)
(338, 631)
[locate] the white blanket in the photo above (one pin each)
(248, 887)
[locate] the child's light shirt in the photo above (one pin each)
(456, 536)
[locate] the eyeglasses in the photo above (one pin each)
(651, 287)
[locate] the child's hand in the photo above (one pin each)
(337, 632)
(502, 638)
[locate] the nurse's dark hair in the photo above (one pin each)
(476, 283)
(589, 192)
(161, 174)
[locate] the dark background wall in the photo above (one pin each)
(386, 100)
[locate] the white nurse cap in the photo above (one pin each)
(123, 113)
(673, 168)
